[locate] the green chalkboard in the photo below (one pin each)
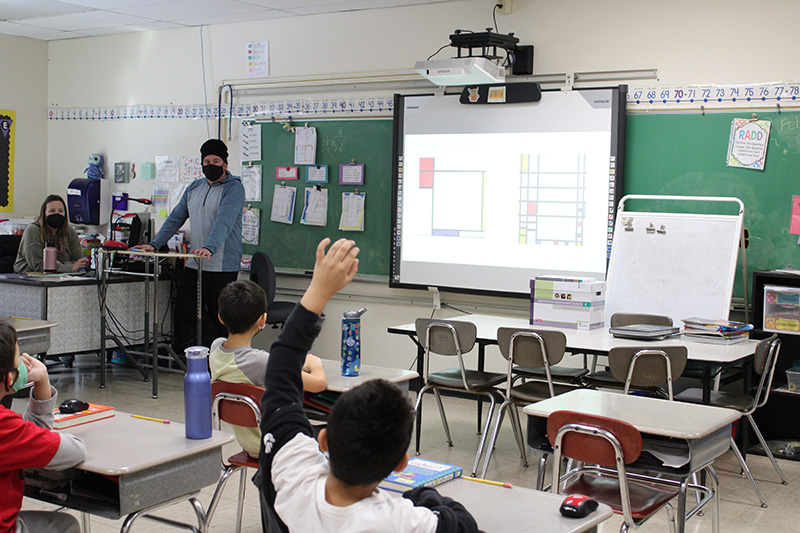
(368, 142)
(685, 154)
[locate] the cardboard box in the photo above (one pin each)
(577, 303)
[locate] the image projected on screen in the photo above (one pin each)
(488, 198)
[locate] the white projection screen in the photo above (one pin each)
(486, 197)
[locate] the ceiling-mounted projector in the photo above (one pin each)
(461, 71)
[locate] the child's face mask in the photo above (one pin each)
(22, 376)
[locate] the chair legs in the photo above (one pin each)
(228, 471)
(746, 470)
(486, 426)
(516, 426)
(766, 449)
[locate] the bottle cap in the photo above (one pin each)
(196, 352)
(354, 313)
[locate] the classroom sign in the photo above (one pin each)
(7, 135)
(747, 147)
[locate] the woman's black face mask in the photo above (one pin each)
(213, 172)
(55, 220)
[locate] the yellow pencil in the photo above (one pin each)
(150, 418)
(20, 318)
(489, 482)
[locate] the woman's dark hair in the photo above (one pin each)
(46, 231)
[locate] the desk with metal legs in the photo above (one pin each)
(134, 466)
(704, 429)
(339, 383)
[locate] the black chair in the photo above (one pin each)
(263, 273)
(9, 245)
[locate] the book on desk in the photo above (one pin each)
(420, 473)
(716, 331)
(93, 413)
(644, 331)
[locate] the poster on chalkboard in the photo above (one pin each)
(747, 147)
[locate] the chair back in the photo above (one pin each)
(629, 319)
(585, 437)
(766, 357)
(236, 403)
(594, 439)
(645, 366)
(263, 272)
(533, 348)
(446, 337)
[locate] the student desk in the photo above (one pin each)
(134, 466)
(33, 336)
(518, 509)
(702, 430)
(339, 383)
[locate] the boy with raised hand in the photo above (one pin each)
(367, 437)
(27, 442)
(243, 311)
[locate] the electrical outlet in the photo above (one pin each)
(505, 6)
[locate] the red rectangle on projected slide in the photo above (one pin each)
(531, 208)
(426, 163)
(426, 180)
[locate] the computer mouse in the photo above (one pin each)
(578, 506)
(72, 405)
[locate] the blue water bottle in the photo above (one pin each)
(197, 393)
(351, 342)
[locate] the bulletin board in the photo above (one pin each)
(367, 142)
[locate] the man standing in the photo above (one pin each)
(214, 207)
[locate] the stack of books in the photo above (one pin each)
(320, 403)
(716, 331)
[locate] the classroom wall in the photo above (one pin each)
(23, 86)
(689, 42)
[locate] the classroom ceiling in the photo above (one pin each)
(52, 20)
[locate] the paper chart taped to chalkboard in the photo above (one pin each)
(283, 204)
(251, 218)
(352, 218)
(315, 207)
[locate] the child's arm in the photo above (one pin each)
(453, 517)
(314, 378)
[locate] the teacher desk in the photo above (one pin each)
(132, 466)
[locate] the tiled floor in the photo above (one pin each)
(126, 391)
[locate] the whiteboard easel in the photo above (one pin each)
(675, 264)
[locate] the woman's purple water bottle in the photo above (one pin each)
(351, 342)
(197, 393)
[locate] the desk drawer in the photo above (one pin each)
(34, 342)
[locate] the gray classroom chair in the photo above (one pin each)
(452, 338)
(527, 349)
(766, 357)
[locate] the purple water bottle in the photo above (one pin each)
(197, 393)
(351, 342)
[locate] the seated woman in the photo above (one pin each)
(51, 224)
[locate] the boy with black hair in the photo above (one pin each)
(27, 442)
(367, 437)
(243, 311)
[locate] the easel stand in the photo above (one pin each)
(152, 331)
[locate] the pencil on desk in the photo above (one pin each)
(151, 418)
(20, 318)
(489, 482)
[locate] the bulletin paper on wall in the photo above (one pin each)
(283, 204)
(7, 137)
(175, 193)
(315, 207)
(352, 212)
(258, 59)
(747, 147)
(168, 167)
(250, 142)
(250, 224)
(191, 168)
(161, 199)
(251, 179)
(305, 146)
